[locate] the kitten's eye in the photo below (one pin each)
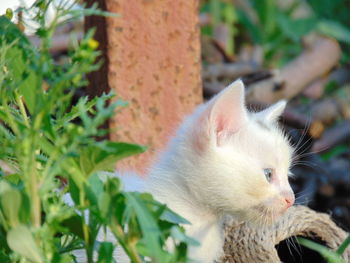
(268, 174)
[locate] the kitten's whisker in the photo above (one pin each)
(309, 164)
(304, 132)
(300, 193)
(304, 143)
(297, 246)
(302, 199)
(288, 243)
(306, 194)
(314, 152)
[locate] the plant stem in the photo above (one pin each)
(34, 195)
(129, 250)
(89, 251)
(22, 109)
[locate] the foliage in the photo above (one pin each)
(46, 142)
(223, 13)
(330, 255)
(278, 30)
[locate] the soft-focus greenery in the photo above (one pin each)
(330, 255)
(279, 26)
(50, 148)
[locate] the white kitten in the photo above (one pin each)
(224, 160)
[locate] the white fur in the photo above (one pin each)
(214, 166)
(225, 176)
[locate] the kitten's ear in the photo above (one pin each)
(224, 114)
(228, 112)
(272, 113)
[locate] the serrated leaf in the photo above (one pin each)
(21, 241)
(148, 225)
(23, 76)
(88, 104)
(10, 32)
(104, 155)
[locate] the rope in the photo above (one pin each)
(246, 244)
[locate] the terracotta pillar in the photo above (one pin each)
(154, 64)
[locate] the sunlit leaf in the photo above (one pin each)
(11, 203)
(21, 240)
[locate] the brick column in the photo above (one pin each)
(154, 63)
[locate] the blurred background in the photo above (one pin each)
(305, 44)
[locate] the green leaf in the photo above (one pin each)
(181, 236)
(148, 225)
(343, 246)
(18, 58)
(104, 155)
(94, 189)
(105, 252)
(21, 241)
(74, 191)
(295, 28)
(328, 254)
(266, 11)
(9, 13)
(337, 150)
(24, 77)
(215, 10)
(13, 178)
(88, 104)
(74, 225)
(335, 30)
(104, 201)
(253, 30)
(172, 217)
(11, 203)
(10, 32)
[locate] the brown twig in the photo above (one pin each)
(333, 137)
(315, 61)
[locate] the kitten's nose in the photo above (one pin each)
(289, 199)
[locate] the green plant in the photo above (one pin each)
(277, 29)
(222, 13)
(330, 255)
(50, 149)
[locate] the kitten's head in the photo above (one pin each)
(237, 161)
